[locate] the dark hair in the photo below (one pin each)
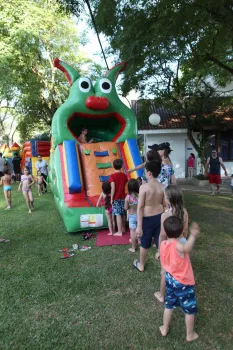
(106, 188)
(16, 154)
(173, 227)
(154, 167)
(84, 128)
(193, 155)
(27, 168)
(175, 197)
(38, 155)
(0, 154)
(6, 172)
(133, 186)
(151, 155)
(117, 164)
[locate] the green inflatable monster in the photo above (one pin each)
(77, 170)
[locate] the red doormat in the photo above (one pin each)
(104, 240)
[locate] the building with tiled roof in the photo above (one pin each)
(217, 131)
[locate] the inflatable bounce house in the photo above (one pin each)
(9, 152)
(77, 170)
(31, 149)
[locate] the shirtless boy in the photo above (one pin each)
(151, 205)
(83, 137)
(6, 182)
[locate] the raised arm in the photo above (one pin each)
(186, 223)
(188, 246)
(138, 167)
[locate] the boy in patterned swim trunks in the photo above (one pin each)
(179, 275)
(118, 181)
(6, 182)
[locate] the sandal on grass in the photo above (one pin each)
(4, 240)
(65, 250)
(84, 248)
(67, 255)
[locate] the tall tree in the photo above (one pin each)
(33, 33)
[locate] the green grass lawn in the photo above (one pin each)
(97, 300)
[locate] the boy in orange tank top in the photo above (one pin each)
(179, 275)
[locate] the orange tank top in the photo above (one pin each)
(179, 268)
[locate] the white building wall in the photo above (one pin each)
(180, 145)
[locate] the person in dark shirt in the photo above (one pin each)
(214, 163)
(16, 166)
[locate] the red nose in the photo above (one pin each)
(97, 103)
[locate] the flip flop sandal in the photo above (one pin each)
(65, 250)
(67, 255)
(4, 240)
(84, 248)
(136, 264)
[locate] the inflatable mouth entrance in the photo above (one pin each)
(104, 127)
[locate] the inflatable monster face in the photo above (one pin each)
(96, 107)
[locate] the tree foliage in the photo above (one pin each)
(162, 38)
(33, 33)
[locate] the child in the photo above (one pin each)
(83, 138)
(232, 184)
(150, 207)
(118, 181)
(179, 275)
(6, 182)
(191, 163)
(131, 204)
(40, 181)
(26, 183)
(174, 199)
(106, 195)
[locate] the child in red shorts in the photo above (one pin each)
(118, 181)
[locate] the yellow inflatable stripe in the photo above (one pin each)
(79, 164)
(34, 160)
(129, 160)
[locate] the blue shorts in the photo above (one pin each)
(133, 221)
(151, 228)
(7, 188)
(118, 207)
(178, 294)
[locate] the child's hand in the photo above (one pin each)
(130, 171)
(195, 229)
(138, 232)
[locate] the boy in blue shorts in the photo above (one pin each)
(118, 181)
(180, 281)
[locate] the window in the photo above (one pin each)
(226, 145)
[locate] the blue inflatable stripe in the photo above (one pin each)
(101, 154)
(134, 151)
(104, 178)
(73, 167)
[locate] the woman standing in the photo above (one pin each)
(166, 177)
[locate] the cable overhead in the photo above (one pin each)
(97, 33)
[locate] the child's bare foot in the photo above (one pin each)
(118, 234)
(109, 234)
(132, 250)
(163, 331)
(7, 208)
(159, 297)
(157, 256)
(29, 211)
(192, 337)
